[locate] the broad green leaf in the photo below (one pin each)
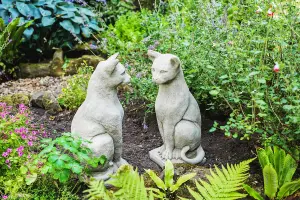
(159, 183)
(23, 169)
(252, 192)
(270, 181)
(53, 158)
(169, 173)
(48, 21)
(60, 164)
(288, 189)
(262, 157)
(67, 25)
(31, 178)
(182, 180)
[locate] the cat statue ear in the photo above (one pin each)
(175, 62)
(153, 54)
(111, 63)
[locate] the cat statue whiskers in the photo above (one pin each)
(177, 112)
(99, 118)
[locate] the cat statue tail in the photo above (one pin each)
(199, 157)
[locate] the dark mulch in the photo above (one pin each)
(138, 141)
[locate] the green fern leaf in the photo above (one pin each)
(223, 184)
(252, 192)
(159, 183)
(270, 181)
(196, 195)
(288, 189)
(97, 191)
(181, 180)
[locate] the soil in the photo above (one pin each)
(139, 138)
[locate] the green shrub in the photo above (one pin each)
(18, 144)
(230, 55)
(73, 95)
(57, 23)
(66, 156)
(10, 39)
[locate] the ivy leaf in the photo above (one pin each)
(102, 159)
(60, 164)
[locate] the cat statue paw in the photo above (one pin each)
(99, 118)
(177, 112)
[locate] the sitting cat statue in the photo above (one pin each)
(177, 112)
(99, 118)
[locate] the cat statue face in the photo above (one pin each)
(165, 67)
(112, 72)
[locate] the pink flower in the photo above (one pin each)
(20, 149)
(7, 161)
(23, 136)
(29, 156)
(276, 68)
(4, 197)
(5, 154)
(30, 143)
(20, 153)
(9, 150)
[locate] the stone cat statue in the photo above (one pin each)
(177, 112)
(99, 118)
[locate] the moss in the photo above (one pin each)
(15, 99)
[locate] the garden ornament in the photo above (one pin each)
(177, 112)
(99, 118)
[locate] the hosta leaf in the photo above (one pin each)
(67, 25)
(28, 32)
(86, 32)
(24, 9)
(44, 12)
(86, 11)
(48, 21)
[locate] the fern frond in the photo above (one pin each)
(270, 181)
(130, 183)
(223, 184)
(97, 191)
(288, 189)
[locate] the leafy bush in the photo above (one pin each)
(18, 144)
(237, 57)
(108, 11)
(56, 22)
(73, 95)
(66, 155)
(10, 39)
(278, 170)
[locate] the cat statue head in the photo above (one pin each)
(165, 67)
(111, 72)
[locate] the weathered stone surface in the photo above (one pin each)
(37, 99)
(54, 67)
(32, 70)
(50, 103)
(57, 63)
(99, 118)
(75, 63)
(177, 112)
